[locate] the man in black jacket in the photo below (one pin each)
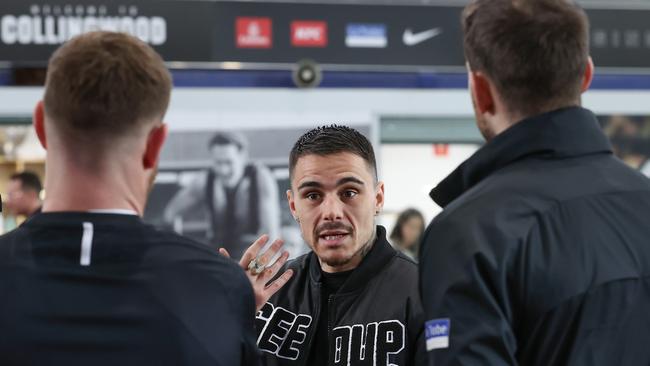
(353, 300)
(86, 282)
(542, 253)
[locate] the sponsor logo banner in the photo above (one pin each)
(308, 33)
(254, 32)
(366, 35)
(395, 37)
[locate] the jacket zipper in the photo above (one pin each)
(314, 329)
(329, 328)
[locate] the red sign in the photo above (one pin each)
(254, 32)
(441, 149)
(308, 33)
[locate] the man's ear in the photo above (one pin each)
(589, 75)
(39, 123)
(292, 203)
(481, 90)
(379, 197)
(155, 141)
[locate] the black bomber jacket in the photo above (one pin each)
(376, 317)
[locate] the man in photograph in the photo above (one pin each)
(241, 197)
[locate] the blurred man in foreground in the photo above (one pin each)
(541, 255)
(86, 282)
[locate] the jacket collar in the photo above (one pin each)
(380, 254)
(563, 133)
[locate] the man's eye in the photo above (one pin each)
(349, 194)
(312, 196)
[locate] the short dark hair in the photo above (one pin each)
(229, 138)
(333, 139)
(535, 51)
(29, 181)
(105, 85)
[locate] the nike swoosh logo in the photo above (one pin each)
(411, 39)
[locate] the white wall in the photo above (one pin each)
(411, 171)
(197, 107)
(291, 106)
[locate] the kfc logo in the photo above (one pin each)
(254, 32)
(308, 34)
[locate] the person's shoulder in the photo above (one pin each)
(11, 235)
(194, 250)
(169, 248)
(405, 265)
(405, 260)
(203, 277)
(187, 257)
(10, 241)
(199, 180)
(300, 263)
(398, 277)
(258, 165)
(510, 197)
(261, 170)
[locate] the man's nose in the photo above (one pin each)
(332, 208)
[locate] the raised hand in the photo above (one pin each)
(260, 271)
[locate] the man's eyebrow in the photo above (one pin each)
(340, 182)
(310, 184)
(345, 180)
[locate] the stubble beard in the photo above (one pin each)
(361, 253)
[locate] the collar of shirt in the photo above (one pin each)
(374, 261)
(115, 211)
(563, 133)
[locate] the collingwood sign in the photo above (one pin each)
(55, 24)
(189, 31)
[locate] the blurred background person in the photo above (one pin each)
(407, 232)
(23, 194)
(241, 197)
(630, 137)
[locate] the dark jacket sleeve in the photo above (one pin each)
(463, 279)
(241, 300)
(250, 353)
(420, 354)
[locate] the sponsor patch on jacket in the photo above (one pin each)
(437, 333)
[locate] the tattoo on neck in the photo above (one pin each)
(366, 247)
